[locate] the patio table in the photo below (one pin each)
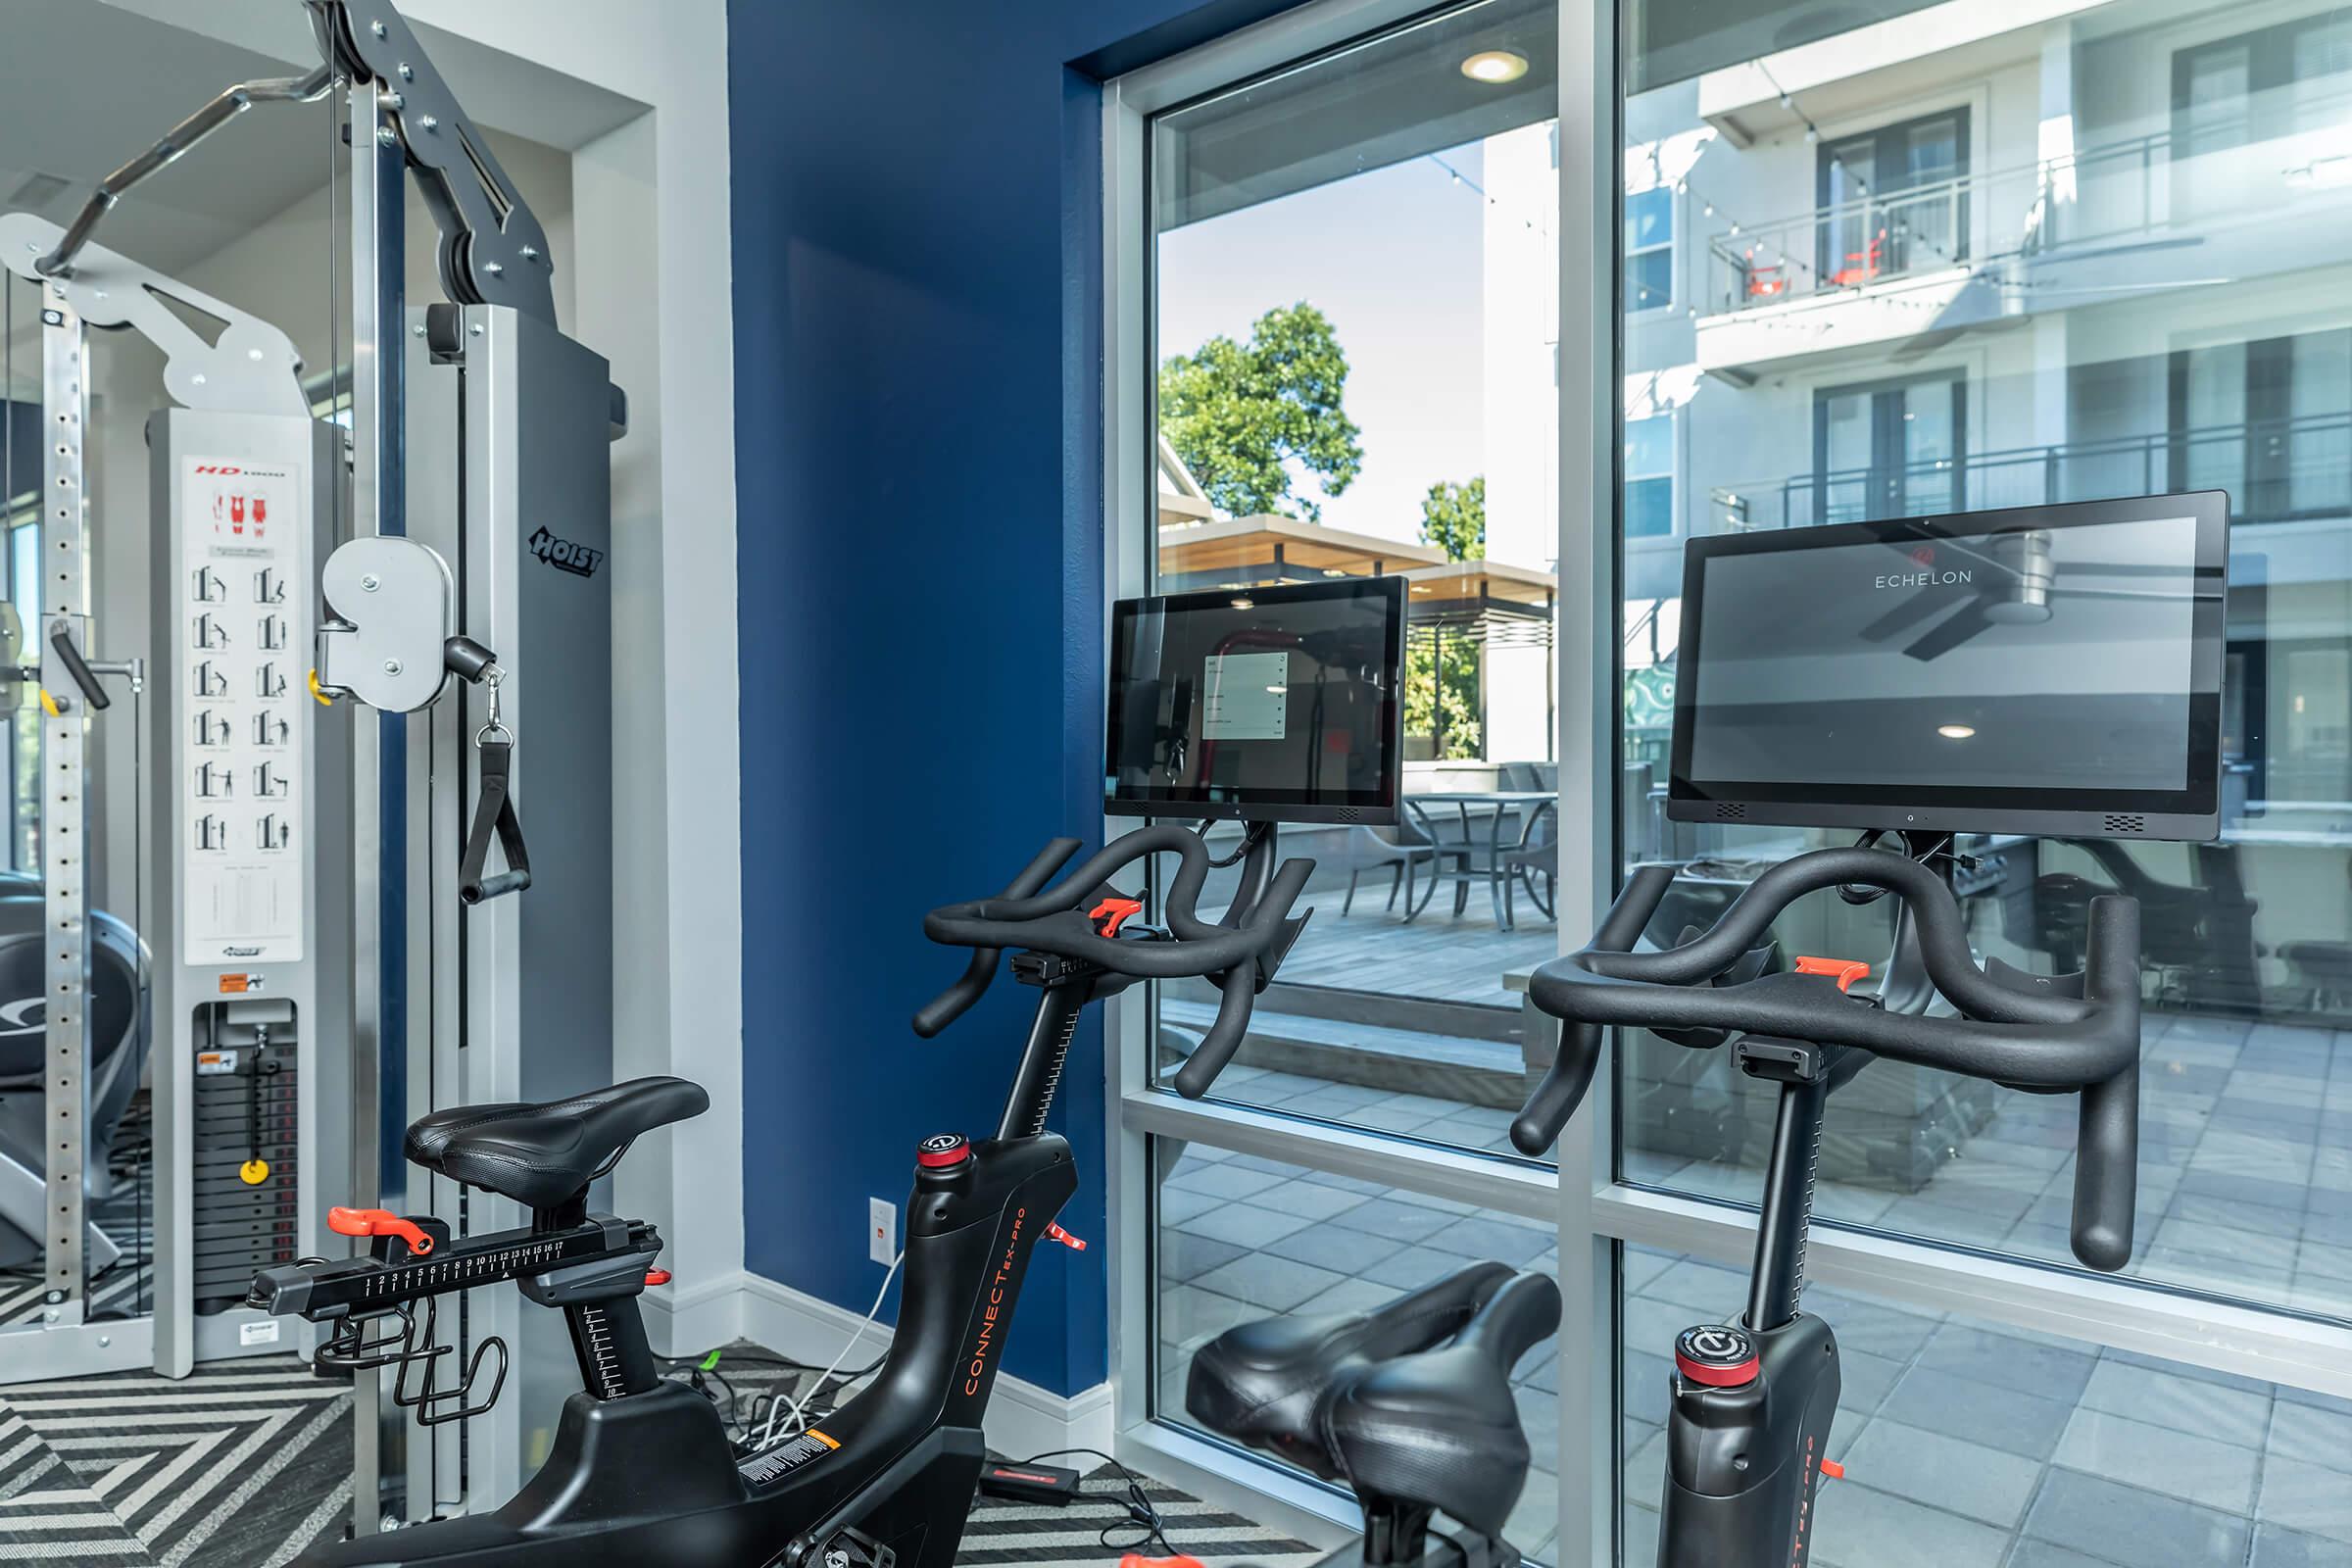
(1505, 804)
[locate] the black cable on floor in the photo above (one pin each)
(1143, 1515)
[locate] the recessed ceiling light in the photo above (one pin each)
(1495, 66)
(1955, 732)
(1245, 604)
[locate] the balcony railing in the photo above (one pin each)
(2118, 189)
(2275, 471)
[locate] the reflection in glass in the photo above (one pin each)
(2135, 285)
(1355, 275)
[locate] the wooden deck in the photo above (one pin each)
(1441, 955)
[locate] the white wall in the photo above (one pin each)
(663, 185)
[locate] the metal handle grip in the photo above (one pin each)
(1239, 984)
(61, 640)
(2107, 1128)
(952, 1003)
(1566, 1080)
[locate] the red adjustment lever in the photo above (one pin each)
(1064, 1236)
(1846, 972)
(1832, 1470)
(379, 1222)
(1111, 913)
(656, 1276)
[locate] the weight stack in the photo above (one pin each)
(246, 1206)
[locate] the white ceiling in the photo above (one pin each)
(87, 85)
(84, 87)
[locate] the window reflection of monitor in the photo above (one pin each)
(2044, 670)
(1272, 704)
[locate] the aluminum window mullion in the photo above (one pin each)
(1530, 1191)
(1585, 640)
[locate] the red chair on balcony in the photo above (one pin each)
(1763, 281)
(1861, 266)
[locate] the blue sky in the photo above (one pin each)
(1393, 256)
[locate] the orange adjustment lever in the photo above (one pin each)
(1833, 1469)
(379, 1222)
(1111, 913)
(657, 1276)
(1846, 972)
(1064, 1236)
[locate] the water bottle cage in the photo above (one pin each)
(357, 1345)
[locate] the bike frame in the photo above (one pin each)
(642, 1470)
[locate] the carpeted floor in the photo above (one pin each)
(248, 1462)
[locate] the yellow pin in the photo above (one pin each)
(322, 698)
(254, 1172)
(49, 702)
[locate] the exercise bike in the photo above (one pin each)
(1749, 1433)
(641, 1470)
(1410, 1406)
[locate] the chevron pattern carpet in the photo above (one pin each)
(239, 1466)
(247, 1462)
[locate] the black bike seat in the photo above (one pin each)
(545, 1154)
(1262, 1383)
(1441, 1430)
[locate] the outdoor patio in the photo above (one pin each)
(1968, 1448)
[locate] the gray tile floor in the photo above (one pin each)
(1244, 1238)
(1966, 1446)
(1978, 1448)
(2245, 1169)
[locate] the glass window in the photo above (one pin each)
(1354, 310)
(1241, 1237)
(2004, 1447)
(1649, 476)
(1650, 249)
(2045, 369)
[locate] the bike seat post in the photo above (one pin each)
(1803, 1071)
(599, 1300)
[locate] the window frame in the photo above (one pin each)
(1596, 1213)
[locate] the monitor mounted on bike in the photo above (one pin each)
(1267, 704)
(2053, 671)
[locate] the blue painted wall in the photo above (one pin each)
(916, 259)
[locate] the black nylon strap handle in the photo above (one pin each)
(494, 815)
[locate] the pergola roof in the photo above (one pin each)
(1486, 600)
(1255, 551)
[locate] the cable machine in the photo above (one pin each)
(471, 538)
(223, 1000)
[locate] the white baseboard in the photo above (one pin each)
(688, 1321)
(1022, 1418)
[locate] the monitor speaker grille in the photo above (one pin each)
(2126, 822)
(1729, 808)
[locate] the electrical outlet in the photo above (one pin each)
(882, 1231)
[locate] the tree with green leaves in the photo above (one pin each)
(1246, 417)
(1441, 674)
(1453, 517)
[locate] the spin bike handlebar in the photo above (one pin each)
(2072, 1033)
(1240, 953)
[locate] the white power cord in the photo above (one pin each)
(799, 1423)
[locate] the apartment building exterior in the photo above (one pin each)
(1996, 253)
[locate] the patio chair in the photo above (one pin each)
(1536, 854)
(1407, 850)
